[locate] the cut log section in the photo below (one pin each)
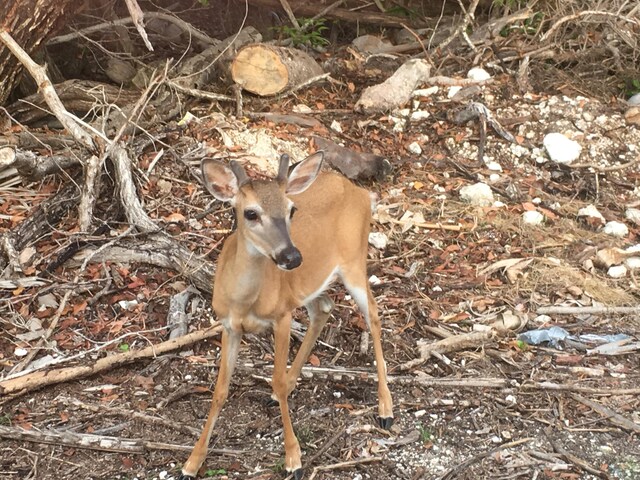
(268, 70)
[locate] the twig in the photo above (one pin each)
(455, 472)
(69, 121)
(106, 410)
(571, 458)
(305, 84)
(568, 18)
(194, 92)
(39, 379)
(608, 413)
(99, 442)
(612, 168)
(350, 463)
(194, 32)
(138, 20)
(586, 310)
(468, 18)
(292, 17)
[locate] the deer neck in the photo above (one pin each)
(251, 272)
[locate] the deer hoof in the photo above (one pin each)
(183, 476)
(298, 473)
(385, 423)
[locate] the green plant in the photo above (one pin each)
(278, 467)
(214, 472)
(123, 347)
(305, 436)
(634, 87)
(5, 419)
(310, 32)
(425, 434)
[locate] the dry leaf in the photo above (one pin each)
(314, 360)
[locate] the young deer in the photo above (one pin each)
(276, 262)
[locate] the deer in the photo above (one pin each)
(294, 236)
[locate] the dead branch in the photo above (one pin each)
(162, 251)
(69, 121)
(138, 20)
(106, 410)
(98, 442)
(187, 27)
(177, 318)
(571, 458)
(553, 310)
(447, 345)
(584, 13)
(38, 379)
(608, 413)
(340, 465)
(461, 29)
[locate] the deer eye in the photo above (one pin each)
(251, 215)
(292, 212)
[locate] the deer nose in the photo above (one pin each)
(289, 258)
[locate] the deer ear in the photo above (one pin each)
(221, 182)
(305, 173)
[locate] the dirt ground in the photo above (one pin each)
(509, 411)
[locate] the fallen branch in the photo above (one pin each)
(571, 458)
(568, 18)
(456, 471)
(106, 410)
(187, 27)
(587, 310)
(98, 442)
(340, 465)
(609, 414)
(35, 380)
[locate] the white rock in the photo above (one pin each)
(561, 149)
(616, 229)
(162, 475)
(20, 352)
(453, 90)
(420, 413)
(419, 115)
(425, 92)
(478, 74)
(633, 248)
(617, 271)
(479, 194)
(532, 217)
(591, 211)
(542, 319)
(415, 148)
(632, 263)
(494, 177)
(494, 166)
(633, 215)
(373, 280)
(378, 240)
(337, 394)
(634, 101)
(302, 108)
(336, 127)
(499, 204)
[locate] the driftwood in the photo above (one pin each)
(355, 165)
(41, 378)
(268, 70)
(396, 90)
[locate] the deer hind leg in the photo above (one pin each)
(228, 357)
(319, 311)
(358, 286)
(281, 332)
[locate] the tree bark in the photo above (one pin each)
(29, 23)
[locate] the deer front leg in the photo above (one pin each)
(229, 354)
(281, 331)
(319, 311)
